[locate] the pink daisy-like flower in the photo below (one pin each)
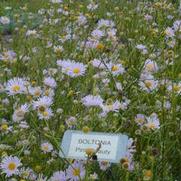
(58, 176)
(9, 165)
(75, 171)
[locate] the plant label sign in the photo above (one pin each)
(110, 147)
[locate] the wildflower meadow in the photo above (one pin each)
(93, 66)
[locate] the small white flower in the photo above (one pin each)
(106, 81)
(8, 56)
(170, 17)
(52, 71)
(9, 165)
(25, 173)
(50, 82)
(171, 43)
(4, 20)
(112, 34)
(148, 83)
(82, 20)
(98, 64)
(56, 1)
(23, 125)
(35, 91)
(5, 128)
(46, 147)
(119, 86)
(142, 48)
(19, 113)
(94, 176)
(104, 165)
(153, 122)
(58, 176)
(64, 63)
(104, 23)
(148, 17)
(49, 92)
(111, 107)
(31, 33)
(91, 100)
(91, 43)
(58, 49)
(72, 68)
(167, 105)
(169, 32)
(124, 104)
(41, 177)
(140, 119)
(97, 34)
(116, 69)
(71, 121)
(16, 86)
(92, 6)
(177, 25)
(150, 66)
(42, 103)
(175, 87)
(46, 114)
(1, 88)
(4, 147)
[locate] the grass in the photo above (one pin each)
(157, 151)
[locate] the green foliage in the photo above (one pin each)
(157, 151)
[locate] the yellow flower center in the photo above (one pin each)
(110, 106)
(148, 84)
(76, 172)
(38, 168)
(125, 165)
(176, 88)
(5, 60)
(114, 68)
(85, 129)
(65, 8)
(148, 173)
(47, 92)
(4, 127)
(16, 88)
(70, 93)
(150, 67)
(140, 120)
(25, 174)
(41, 109)
(37, 93)
(151, 125)
(89, 151)
(100, 46)
(29, 98)
(20, 113)
(45, 113)
(33, 82)
(6, 56)
(124, 160)
(58, 50)
(76, 70)
(45, 147)
(11, 166)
